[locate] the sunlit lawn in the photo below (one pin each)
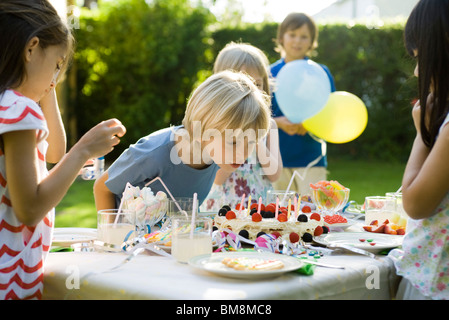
(77, 209)
(366, 178)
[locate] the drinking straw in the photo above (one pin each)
(397, 192)
(289, 208)
(277, 207)
(260, 205)
(249, 206)
(128, 185)
(192, 224)
(169, 193)
(290, 184)
(311, 164)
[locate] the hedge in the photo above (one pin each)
(138, 63)
(370, 63)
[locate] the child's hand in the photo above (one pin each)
(289, 128)
(49, 97)
(416, 113)
(102, 138)
(301, 130)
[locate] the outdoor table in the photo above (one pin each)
(80, 275)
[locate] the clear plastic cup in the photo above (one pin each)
(190, 240)
(283, 196)
(115, 227)
(379, 208)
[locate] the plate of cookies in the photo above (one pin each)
(246, 264)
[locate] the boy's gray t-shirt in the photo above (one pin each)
(150, 158)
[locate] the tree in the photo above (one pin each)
(138, 61)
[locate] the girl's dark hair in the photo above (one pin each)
(20, 21)
(427, 34)
(294, 21)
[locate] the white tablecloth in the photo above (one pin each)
(80, 275)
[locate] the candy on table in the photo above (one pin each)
(163, 237)
(327, 185)
(336, 218)
(147, 205)
(329, 194)
(155, 204)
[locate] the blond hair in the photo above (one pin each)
(228, 100)
(235, 56)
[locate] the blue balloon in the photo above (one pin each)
(302, 90)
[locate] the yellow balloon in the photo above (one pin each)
(343, 118)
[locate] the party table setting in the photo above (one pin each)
(282, 245)
(160, 247)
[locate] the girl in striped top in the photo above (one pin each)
(34, 48)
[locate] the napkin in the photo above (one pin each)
(307, 269)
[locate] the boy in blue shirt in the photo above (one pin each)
(297, 37)
(187, 157)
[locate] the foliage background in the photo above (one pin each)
(370, 63)
(139, 62)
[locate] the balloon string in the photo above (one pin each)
(314, 162)
(323, 143)
(310, 165)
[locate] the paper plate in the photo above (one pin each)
(69, 236)
(372, 242)
(213, 263)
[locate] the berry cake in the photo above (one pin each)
(301, 225)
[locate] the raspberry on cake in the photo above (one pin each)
(304, 225)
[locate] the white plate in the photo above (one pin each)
(213, 263)
(382, 241)
(69, 236)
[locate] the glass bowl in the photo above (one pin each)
(329, 196)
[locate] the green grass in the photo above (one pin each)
(77, 209)
(366, 178)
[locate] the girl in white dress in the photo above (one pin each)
(423, 260)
